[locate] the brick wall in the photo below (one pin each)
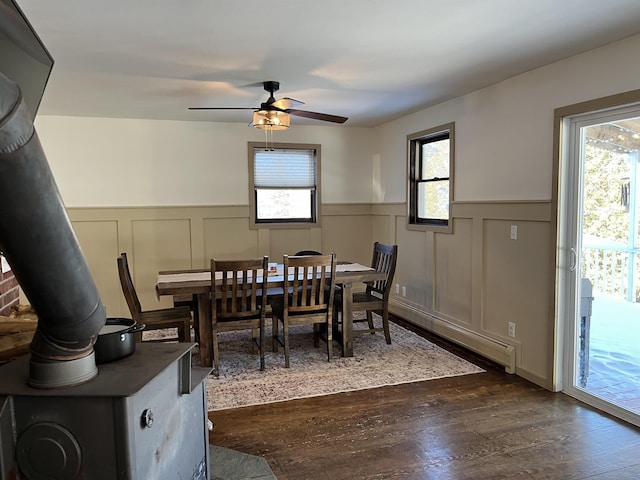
(9, 293)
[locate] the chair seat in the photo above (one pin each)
(277, 309)
(363, 301)
(375, 299)
(174, 314)
(176, 317)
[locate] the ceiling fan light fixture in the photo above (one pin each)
(271, 120)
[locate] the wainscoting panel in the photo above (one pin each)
(229, 239)
(384, 228)
(99, 241)
(349, 236)
(415, 266)
(290, 241)
(158, 244)
(466, 286)
(516, 279)
(452, 269)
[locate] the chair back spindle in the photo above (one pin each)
(238, 302)
(309, 285)
(383, 260)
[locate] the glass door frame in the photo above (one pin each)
(569, 236)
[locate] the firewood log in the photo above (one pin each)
(17, 326)
(15, 345)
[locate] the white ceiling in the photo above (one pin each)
(369, 60)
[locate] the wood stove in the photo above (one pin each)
(142, 417)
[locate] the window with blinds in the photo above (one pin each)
(284, 183)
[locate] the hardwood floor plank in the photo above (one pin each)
(482, 426)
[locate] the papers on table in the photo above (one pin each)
(206, 275)
(184, 277)
(352, 267)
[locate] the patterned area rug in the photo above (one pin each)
(409, 358)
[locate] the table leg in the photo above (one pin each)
(347, 321)
(204, 330)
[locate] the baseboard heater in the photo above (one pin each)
(490, 348)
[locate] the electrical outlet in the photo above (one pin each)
(404, 291)
(397, 288)
(512, 329)
(514, 232)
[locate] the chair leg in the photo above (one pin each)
(274, 334)
(385, 325)
(370, 321)
(196, 318)
(187, 326)
(216, 355)
(329, 339)
(254, 341)
(261, 346)
(183, 332)
(285, 332)
(316, 335)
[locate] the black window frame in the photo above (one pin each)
(415, 143)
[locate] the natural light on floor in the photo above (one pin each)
(614, 353)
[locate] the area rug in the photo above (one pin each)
(409, 358)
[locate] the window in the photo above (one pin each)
(430, 188)
(284, 184)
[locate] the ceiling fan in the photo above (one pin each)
(274, 114)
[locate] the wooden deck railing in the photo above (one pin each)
(613, 270)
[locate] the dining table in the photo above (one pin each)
(197, 283)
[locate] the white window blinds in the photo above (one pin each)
(290, 168)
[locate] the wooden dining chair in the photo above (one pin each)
(165, 318)
(307, 252)
(237, 302)
(375, 298)
(309, 283)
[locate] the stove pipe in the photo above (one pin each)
(38, 241)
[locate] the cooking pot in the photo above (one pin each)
(116, 339)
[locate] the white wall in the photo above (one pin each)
(503, 145)
(504, 154)
(504, 132)
(129, 162)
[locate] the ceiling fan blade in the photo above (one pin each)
(318, 116)
(286, 103)
(223, 108)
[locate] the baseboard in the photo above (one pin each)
(490, 348)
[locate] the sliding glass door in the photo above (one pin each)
(599, 289)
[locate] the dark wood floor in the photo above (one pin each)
(483, 426)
